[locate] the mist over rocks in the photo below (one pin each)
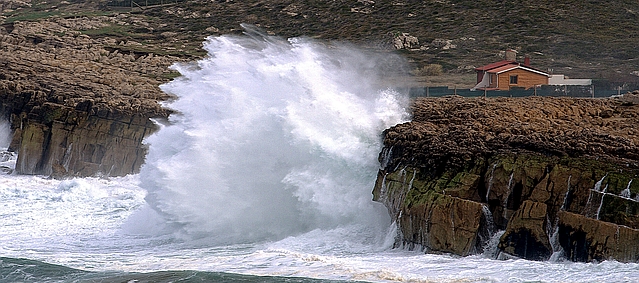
(555, 173)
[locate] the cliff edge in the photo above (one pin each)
(77, 106)
(538, 177)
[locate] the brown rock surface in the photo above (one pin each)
(77, 105)
(586, 239)
(525, 234)
(464, 128)
(525, 160)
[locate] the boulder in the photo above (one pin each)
(405, 41)
(430, 219)
(525, 235)
(587, 239)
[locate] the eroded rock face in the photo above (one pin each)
(586, 239)
(67, 142)
(533, 167)
(77, 106)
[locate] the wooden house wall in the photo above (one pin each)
(525, 79)
(493, 81)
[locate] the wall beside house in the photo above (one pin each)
(562, 80)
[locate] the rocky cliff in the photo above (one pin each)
(77, 107)
(542, 176)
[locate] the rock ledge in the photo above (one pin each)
(555, 174)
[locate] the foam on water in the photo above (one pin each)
(273, 138)
(67, 222)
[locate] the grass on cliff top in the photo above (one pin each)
(39, 12)
(110, 30)
(21, 15)
(27, 16)
(150, 42)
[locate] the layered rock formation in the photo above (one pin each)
(554, 174)
(78, 107)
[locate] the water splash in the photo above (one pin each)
(492, 247)
(487, 228)
(510, 191)
(603, 194)
(557, 249)
(626, 192)
(565, 201)
(274, 137)
(7, 158)
(588, 208)
(5, 134)
(598, 184)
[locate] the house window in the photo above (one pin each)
(513, 80)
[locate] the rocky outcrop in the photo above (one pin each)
(405, 41)
(62, 141)
(77, 106)
(554, 174)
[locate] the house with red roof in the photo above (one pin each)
(506, 74)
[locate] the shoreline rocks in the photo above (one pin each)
(525, 166)
(77, 106)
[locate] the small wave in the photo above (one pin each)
(28, 271)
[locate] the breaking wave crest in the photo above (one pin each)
(271, 138)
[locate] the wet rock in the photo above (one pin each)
(586, 239)
(428, 218)
(525, 234)
(525, 162)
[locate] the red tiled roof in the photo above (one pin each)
(495, 65)
(503, 68)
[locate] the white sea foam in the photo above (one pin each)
(273, 138)
(5, 134)
(260, 149)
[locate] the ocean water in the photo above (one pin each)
(265, 175)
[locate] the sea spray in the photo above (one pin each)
(271, 138)
(557, 249)
(7, 158)
(5, 134)
(603, 194)
(626, 192)
(510, 192)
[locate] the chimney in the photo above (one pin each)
(511, 55)
(527, 61)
